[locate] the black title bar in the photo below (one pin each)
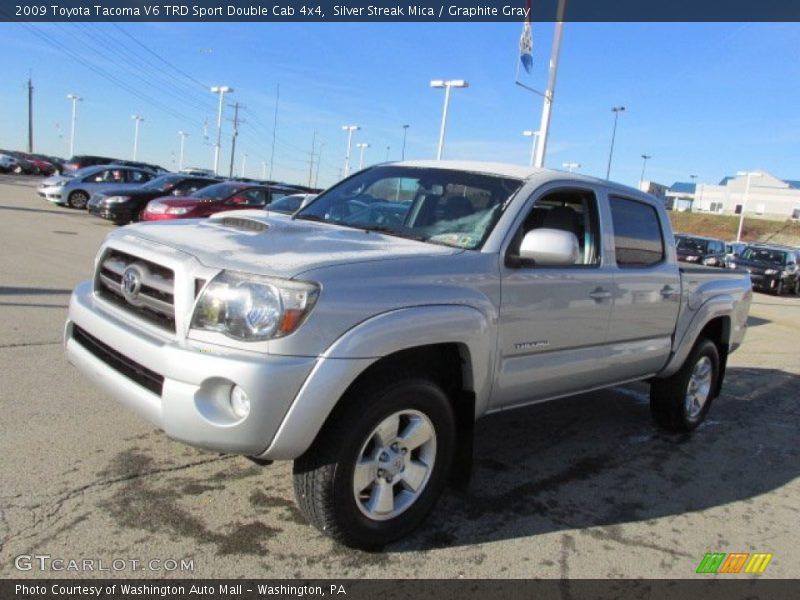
(400, 11)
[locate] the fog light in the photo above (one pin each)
(240, 403)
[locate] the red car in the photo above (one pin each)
(228, 195)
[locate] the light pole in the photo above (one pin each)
(137, 118)
(616, 110)
(570, 166)
(182, 135)
(387, 152)
(244, 162)
(452, 83)
(264, 170)
(349, 129)
(75, 99)
(362, 146)
(547, 105)
(405, 132)
(534, 135)
(645, 158)
(749, 175)
(319, 160)
(221, 90)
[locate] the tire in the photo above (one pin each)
(797, 286)
(351, 504)
(78, 199)
(679, 403)
(779, 287)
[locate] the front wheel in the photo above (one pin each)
(379, 465)
(779, 287)
(679, 403)
(78, 199)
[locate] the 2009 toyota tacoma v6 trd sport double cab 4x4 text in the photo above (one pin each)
(362, 336)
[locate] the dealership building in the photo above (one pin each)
(769, 196)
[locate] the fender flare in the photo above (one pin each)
(718, 306)
(369, 341)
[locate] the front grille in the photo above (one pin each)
(155, 300)
(119, 362)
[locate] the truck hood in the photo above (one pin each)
(253, 242)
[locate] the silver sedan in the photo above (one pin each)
(74, 190)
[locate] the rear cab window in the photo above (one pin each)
(638, 238)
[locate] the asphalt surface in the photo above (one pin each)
(584, 487)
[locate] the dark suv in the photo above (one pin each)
(700, 250)
(772, 268)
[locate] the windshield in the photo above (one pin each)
(287, 204)
(162, 184)
(689, 244)
(218, 191)
(443, 206)
(775, 257)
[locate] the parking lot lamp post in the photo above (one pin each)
(137, 118)
(534, 135)
(616, 110)
(405, 133)
(244, 163)
(264, 169)
(349, 129)
(749, 175)
(182, 135)
(221, 90)
(439, 83)
(645, 158)
(74, 99)
(362, 146)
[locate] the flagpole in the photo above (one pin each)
(544, 127)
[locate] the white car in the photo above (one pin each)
(7, 163)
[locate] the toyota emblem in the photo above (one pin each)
(131, 283)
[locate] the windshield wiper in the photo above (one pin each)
(310, 217)
(408, 234)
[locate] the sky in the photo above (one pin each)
(704, 99)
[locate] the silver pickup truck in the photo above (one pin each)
(363, 336)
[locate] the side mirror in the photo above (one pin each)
(549, 247)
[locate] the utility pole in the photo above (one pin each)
(645, 158)
(311, 157)
(319, 160)
(30, 114)
(616, 110)
(274, 130)
(221, 90)
(235, 134)
(74, 98)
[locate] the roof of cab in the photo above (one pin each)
(516, 171)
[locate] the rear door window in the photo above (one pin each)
(637, 233)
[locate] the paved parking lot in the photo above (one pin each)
(584, 487)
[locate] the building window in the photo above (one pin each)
(738, 210)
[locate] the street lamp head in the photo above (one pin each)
(221, 89)
(647, 156)
(458, 83)
(350, 127)
(137, 117)
(437, 83)
(74, 97)
(529, 133)
(406, 126)
(617, 109)
(362, 145)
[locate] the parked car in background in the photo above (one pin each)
(227, 195)
(7, 163)
(76, 189)
(81, 161)
(198, 172)
(123, 205)
(700, 250)
(23, 165)
(772, 268)
(290, 204)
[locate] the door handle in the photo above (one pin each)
(600, 294)
(668, 291)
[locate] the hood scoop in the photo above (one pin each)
(244, 224)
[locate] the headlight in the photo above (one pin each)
(771, 272)
(117, 199)
(692, 258)
(157, 208)
(252, 307)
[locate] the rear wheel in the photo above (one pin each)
(779, 287)
(679, 403)
(797, 286)
(78, 199)
(379, 465)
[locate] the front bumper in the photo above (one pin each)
(52, 194)
(764, 282)
(183, 387)
(110, 212)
